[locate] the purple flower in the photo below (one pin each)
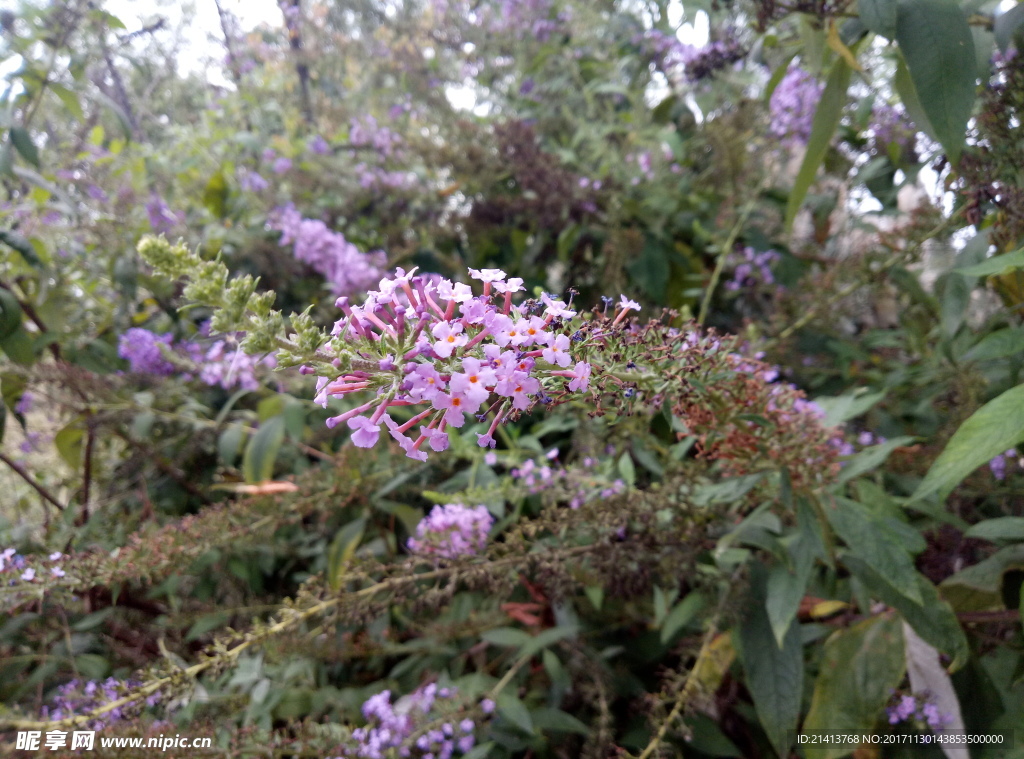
(319, 146)
(161, 218)
(452, 530)
(250, 181)
(142, 350)
(793, 105)
(282, 165)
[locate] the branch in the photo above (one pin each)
(28, 478)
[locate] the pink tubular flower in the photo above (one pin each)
(558, 351)
(449, 337)
(364, 432)
(581, 379)
(456, 406)
(476, 380)
(556, 308)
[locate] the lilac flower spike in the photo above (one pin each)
(453, 530)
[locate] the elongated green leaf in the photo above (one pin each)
(992, 429)
(999, 344)
(860, 667)
(938, 47)
(23, 143)
(995, 265)
(510, 637)
(1002, 528)
(69, 444)
(842, 408)
(515, 711)
(774, 673)
(933, 619)
(342, 549)
(826, 119)
(879, 16)
(260, 454)
(904, 87)
(871, 540)
(10, 313)
(230, 443)
(557, 721)
(547, 638)
(681, 615)
(68, 98)
(23, 246)
(871, 458)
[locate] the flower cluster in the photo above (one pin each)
(16, 564)
(452, 530)
(998, 464)
(161, 218)
(702, 62)
(407, 726)
(424, 341)
(579, 484)
(364, 132)
(142, 349)
(918, 710)
(793, 105)
(75, 699)
(223, 363)
(754, 269)
(341, 263)
(891, 126)
(516, 18)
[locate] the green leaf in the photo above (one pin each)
(627, 470)
(480, 751)
(992, 429)
(515, 711)
(860, 667)
(879, 16)
(68, 98)
(1002, 528)
(786, 585)
(23, 246)
(557, 721)
(206, 623)
(681, 615)
(342, 549)
(509, 637)
(933, 619)
(871, 458)
(826, 119)
(260, 454)
(953, 303)
(904, 86)
(10, 313)
(18, 347)
(215, 196)
(774, 674)
(726, 491)
(842, 408)
(999, 344)
(1000, 264)
(938, 47)
(870, 539)
(230, 443)
(69, 444)
(22, 141)
(1007, 24)
(548, 638)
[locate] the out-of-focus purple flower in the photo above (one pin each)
(341, 263)
(75, 699)
(890, 125)
(793, 105)
(282, 165)
(161, 218)
(24, 404)
(142, 350)
(97, 193)
(452, 530)
(251, 181)
(998, 464)
(702, 63)
(225, 365)
(319, 146)
(754, 269)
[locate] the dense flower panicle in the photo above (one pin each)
(76, 699)
(342, 264)
(428, 341)
(703, 62)
(223, 363)
(452, 530)
(441, 734)
(142, 349)
(753, 270)
(579, 484)
(890, 125)
(251, 181)
(793, 105)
